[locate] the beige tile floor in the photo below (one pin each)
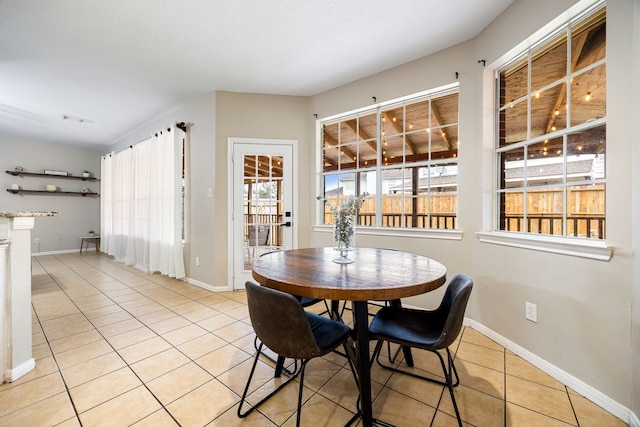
(117, 347)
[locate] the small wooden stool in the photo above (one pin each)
(96, 240)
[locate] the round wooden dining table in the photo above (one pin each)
(375, 274)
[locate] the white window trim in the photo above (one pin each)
(571, 246)
(592, 249)
(422, 233)
(430, 233)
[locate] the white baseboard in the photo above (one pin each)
(11, 375)
(65, 251)
(205, 285)
(633, 420)
(567, 379)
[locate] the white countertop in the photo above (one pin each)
(14, 214)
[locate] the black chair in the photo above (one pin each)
(429, 330)
(281, 324)
(306, 302)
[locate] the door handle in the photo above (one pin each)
(287, 215)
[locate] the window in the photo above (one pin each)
(551, 134)
(404, 154)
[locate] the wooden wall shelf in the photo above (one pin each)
(42, 175)
(78, 193)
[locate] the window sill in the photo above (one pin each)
(592, 249)
(398, 232)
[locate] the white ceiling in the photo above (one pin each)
(121, 63)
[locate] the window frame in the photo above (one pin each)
(568, 245)
(377, 109)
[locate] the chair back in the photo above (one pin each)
(258, 235)
(280, 322)
(453, 306)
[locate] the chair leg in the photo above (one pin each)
(376, 356)
(376, 353)
(378, 349)
(447, 371)
(279, 362)
(269, 396)
(453, 365)
(279, 367)
(392, 359)
(448, 374)
(304, 365)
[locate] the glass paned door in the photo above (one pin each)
(263, 216)
(262, 207)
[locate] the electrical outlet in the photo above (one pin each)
(197, 261)
(36, 240)
(209, 192)
(531, 312)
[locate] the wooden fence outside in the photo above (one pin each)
(585, 212)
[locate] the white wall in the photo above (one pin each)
(635, 158)
(259, 116)
(78, 214)
(584, 306)
(199, 115)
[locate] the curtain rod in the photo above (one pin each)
(182, 126)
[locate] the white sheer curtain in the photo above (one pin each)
(141, 204)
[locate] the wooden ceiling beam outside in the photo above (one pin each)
(400, 129)
(362, 134)
(440, 155)
(345, 151)
(330, 142)
(439, 122)
(575, 55)
(263, 166)
(330, 162)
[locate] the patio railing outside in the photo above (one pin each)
(578, 225)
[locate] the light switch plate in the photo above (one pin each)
(531, 312)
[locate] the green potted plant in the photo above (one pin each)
(92, 233)
(86, 174)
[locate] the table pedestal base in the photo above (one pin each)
(374, 422)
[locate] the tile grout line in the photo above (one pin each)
(172, 346)
(164, 407)
(527, 408)
(504, 403)
(53, 355)
(107, 269)
(573, 409)
(110, 345)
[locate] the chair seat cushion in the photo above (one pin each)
(414, 328)
(327, 333)
(306, 301)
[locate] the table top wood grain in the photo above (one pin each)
(376, 274)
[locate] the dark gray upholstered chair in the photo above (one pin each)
(429, 330)
(306, 302)
(281, 324)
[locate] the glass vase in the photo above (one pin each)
(344, 236)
